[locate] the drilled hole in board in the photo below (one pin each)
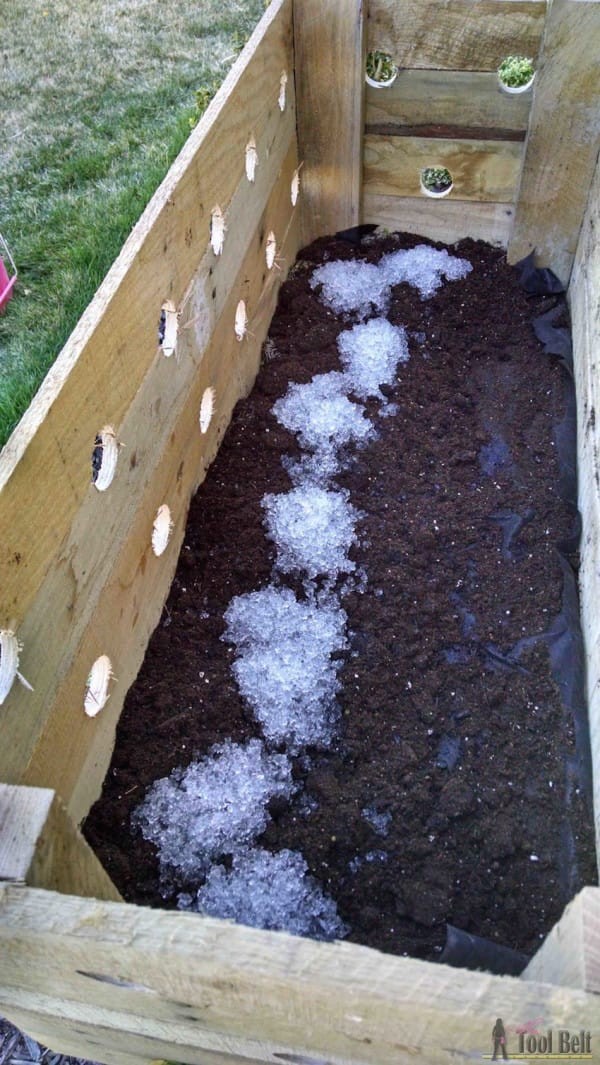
(217, 230)
(10, 649)
(282, 90)
(104, 458)
(161, 530)
(207, 409)
(167, 328)
(271, 249)
(241, 320)
(295, 187)
(436, 181)
(251, 159)
(96, 694)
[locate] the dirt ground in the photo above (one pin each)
(448, 723)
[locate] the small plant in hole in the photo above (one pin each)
(515, 71)
(436, 178)
(380, 66)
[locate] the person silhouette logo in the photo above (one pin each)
(499, 1040)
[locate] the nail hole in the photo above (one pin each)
(167, 328)
(271, 249)
(241, 320)
(161, 529)
(96, 694)
(282, 90)
(436, 181)
(251, 159)
(217, 230)
(207, 409)
(104, 458)
(295, 187)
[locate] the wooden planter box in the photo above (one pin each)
(80, 970)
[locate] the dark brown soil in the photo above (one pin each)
(468, 749)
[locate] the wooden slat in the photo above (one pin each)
(455, 34)
(584, 299)
(182, 985)
(73, 752)
(570, 955)
(446, 220)
(481, 170)
(330, 58)
(563, 141)
(118, 331)
(41, 847)
(51, 581)
(447, 97)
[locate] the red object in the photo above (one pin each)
(7, 283)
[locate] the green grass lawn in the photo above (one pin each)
(97, 99)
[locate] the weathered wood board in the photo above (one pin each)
(445, 220)
(564, 138)
(584, 300)
(112, 372)
(570, 954)
(72, 752)
(149, 984)
(482, 171)
(461, 98)
(330, 62)
(455, 35)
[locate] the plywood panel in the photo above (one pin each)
(73, 751)
(330, 57)
(455, 34)
(51, 581)
(450, 98)
(444, 220)
(187, 985)
(564, 139)
(481, 170)
(584, 299)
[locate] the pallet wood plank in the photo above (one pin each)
(564, 139)
(103, 363)
(447, 97)
(481, 170)
(570, 954)
(455, 35)
(178, 981)
(53, 608)
(41, 847)
(446, 220)
(584, 301)
(72, 752)
(330, 56)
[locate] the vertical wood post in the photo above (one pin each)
(563, 140)
(41, 847)
(329, 42)
(570, 954)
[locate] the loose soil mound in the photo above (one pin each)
(445, 727)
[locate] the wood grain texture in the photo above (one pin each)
(73, 752)
(570, 954)
(446, 220)
(154, 984)
(112, 372)
(41, 847)
(485, 171)
(584, 300)
(455, 34)
(330, 60)
(447, 97)
(564, 139)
